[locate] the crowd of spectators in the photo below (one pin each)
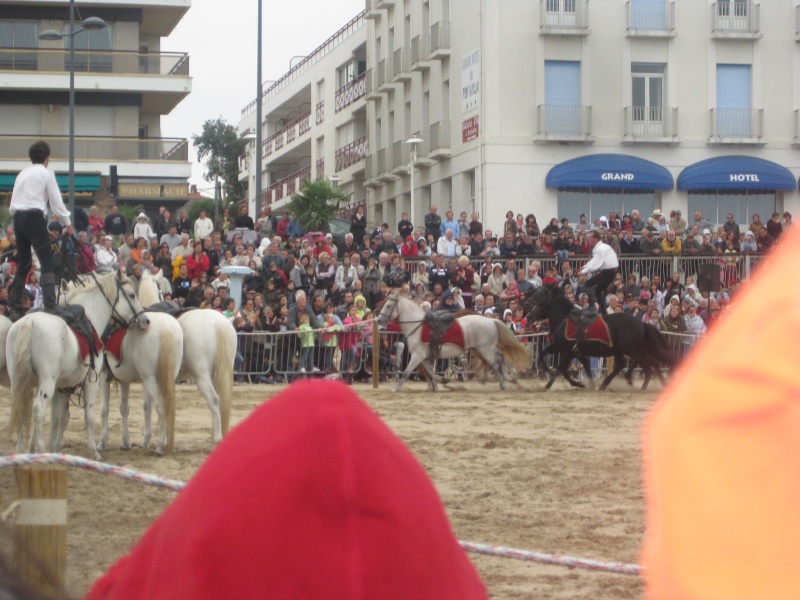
(305, 282)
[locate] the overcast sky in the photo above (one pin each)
(221, 39)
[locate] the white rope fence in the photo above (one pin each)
(19, 460)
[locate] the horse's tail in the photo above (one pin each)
(23, 384)
(658, 346)
(515, 352)
(223, 377)
(165, 374)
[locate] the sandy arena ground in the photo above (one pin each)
(549, 472)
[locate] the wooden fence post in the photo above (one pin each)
(376, 348)
(40, 540)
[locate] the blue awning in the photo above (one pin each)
(83, 183)
(736, 173)
(610, 171)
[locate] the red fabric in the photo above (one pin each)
(83, 345)
(114, 344)
(454, 335)
(311, 497)
(409, 250)
(319, 249)
(196, 266)
(596, 332)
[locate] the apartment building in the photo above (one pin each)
(563, 107)
(314, 122)
(124, 84)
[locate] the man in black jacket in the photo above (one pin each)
(433, 225)
(116, 224)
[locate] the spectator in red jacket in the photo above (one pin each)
(197, 262)
(410, 248)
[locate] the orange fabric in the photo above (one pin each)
(722, 453)
(312, 497)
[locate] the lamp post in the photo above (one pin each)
(412, 142)
(259, 109)
(88, 24)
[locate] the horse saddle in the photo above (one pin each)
(584, 317)
(584, 325)
(169, 307)
(441, 327)
(75, 317)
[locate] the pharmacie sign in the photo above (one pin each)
(153, 190)
(617, 176)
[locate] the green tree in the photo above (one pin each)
(317, 202)
(219, 148)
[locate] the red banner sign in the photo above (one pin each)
(470, 129)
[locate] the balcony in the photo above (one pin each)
(740, 126)
(564, 17)
(420, 53)
(797, 23)
(380, 75)
(102, 148)
(736, 20)
(401, 64)
(440, 141)
(440, 40)
(284, 188)
(401, 154)
(351, 154)
(244, 161)
(651, 124)
(650, 18)
(350, 92)
(115, 62)
(796, 142)
(384, 165)
(371, 10)
(320, 112)
(371, 86)
(293, 130)
(564, 123)
(371, 172)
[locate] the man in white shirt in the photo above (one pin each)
(448, 245)
(604, 264)
(203, 227)
(182, 249)
(34, 191)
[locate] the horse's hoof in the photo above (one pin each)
(158, 452)
(97, 456)
(397, 388)
(101, 447)
(124, 446)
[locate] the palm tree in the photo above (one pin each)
(317, 202)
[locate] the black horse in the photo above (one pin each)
(630, 337)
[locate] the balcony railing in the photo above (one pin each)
(332, 42)
(401, 64)
(564, 122)
(401, 156)
(439, 139)
(380, 74)
(651, 17)
(352, 153)
(350, 92)
(320, 171)
(371, 170)
(797, 23)
(384, 165)
(286, 186)
(320, 111)
(243, 164)
(293, 130)
(440, 39)
(651, 124)
(266, 146)
(420, 52)
(737, 126)
(101, 148)
(735, 19)
(564, 17)
(113, 61)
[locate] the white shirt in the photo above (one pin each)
(106, 260)
(603, 257)
(34, 189)
(447, 247)
(203, 228)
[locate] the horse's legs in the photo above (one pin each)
(147, 404)
(152, 395)
(430, 369)
(90, 395)
(124, 411)
(563, 368)
(618, 366)
(212, 399)
(59, 417)
(587, 366)
(105, 392)
(413, 360)
(44, 394)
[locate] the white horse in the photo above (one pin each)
(152, 357)
(209, 349)
(5, 326)
(44, 354)
(491, 339)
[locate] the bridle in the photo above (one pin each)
(116, 317)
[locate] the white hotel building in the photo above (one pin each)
(560, 107)
(124, 84)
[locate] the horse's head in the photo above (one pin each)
(539, 301)
(125, 306)
(390, 310)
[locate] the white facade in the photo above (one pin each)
(539, 83)
(314, 122)
(124, 84)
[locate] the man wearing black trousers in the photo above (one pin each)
(604, 264)
(34, 191)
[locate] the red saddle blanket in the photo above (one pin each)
(114, 344)
(454, 335)
(596, 332)
(83, 344)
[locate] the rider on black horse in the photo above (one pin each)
(604, 264)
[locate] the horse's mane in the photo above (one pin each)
(148, 290)
(86, 283)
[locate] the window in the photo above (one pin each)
(598, 202)
(93, 50)
(18, 35)
(716, 205)
(648, 14)
(562, 97)
(648, 96)
(734, 115)
(736, 8)
(561, 6)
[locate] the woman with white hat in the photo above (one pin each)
(142, 228)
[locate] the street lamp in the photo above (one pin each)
(259, 110)
(89, 24)
(413, 141)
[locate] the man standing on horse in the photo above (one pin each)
(604, 264)
(34, 190)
